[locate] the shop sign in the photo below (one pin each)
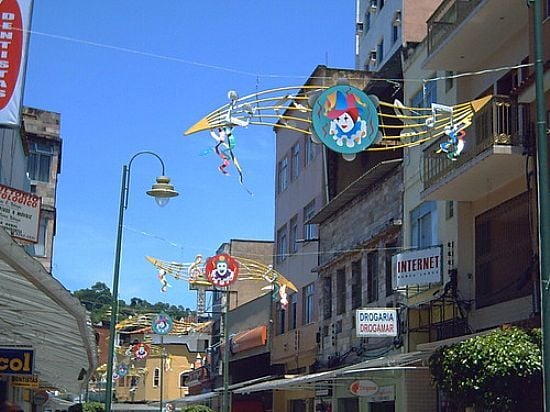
(16, 361)
(363, 387)
(25, 381)
(417, 267)
(376, 322)
(40, 397)
(384, 394)
(20, 213)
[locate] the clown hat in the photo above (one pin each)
(344, 104)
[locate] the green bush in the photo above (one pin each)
(196, 408)
(498, 371)
(93, 407)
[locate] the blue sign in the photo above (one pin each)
(16, 361)
(345, 119)
(162, 324)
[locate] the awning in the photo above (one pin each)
(391, 362)
(195, 398)
(37, 311)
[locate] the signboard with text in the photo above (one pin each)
(16, 361)
(20, 213)
(417, 267)
(376, 322)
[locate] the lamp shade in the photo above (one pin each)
(162, 191)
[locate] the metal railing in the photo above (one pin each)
(494, 124)
(446, 18)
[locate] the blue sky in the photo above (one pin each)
(130, 75)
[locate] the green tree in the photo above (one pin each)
(196, 408)
(500, 371)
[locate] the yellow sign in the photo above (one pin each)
(25, 381)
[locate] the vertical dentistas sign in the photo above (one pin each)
(15, 19)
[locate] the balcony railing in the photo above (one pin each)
(446, 18)
(495, 124)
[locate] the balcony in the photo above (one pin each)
(492, 157)
(457, 25)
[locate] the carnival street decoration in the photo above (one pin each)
(162, 324)
(222, 270)
(341, 117)
(196, 273)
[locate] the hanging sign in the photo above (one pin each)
(162, 324)
(15, 19)
(376, 322)
(417, 267)
(141, 350)
(19, 212)
(345, 119)
(222, 270)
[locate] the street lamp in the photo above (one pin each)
(162, 191)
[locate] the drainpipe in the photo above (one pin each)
(543, 198)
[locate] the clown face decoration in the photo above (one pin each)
(141, 350)
(222, 270)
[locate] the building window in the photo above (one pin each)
(356, 285)
(40, 246)
(327, 297)
(503, 252)
(39, 161)
(156, 378)
(294, 234)
(449, 81)
(389, 252)
(295, 165)
(425, 96)
(394, 32)
(282, 244)
(310, 151)
(449, 209)
(380, 52)
(381, 4)
(310, 229)
(293, 311)
(183, 380)
(282, 175)
(424, 225)
(366, 21)
(372, 276)
(340, 291)
(308, 310)
(281, 319)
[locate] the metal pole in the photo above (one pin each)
(114, 299)
(225, 405)
(161, 370)
(544, 199)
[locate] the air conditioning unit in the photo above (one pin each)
(397, 18)
(373, 7)
(372, 57)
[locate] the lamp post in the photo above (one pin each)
(162, 191)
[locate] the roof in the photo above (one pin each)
(361, 184)
(36, 310)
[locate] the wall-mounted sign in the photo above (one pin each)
(417, 267)
(162, 324)
(376, 322)
(222, 270)
(15, 17)
(25, 381)
(384, 394)
(16, 361)
(363, 387)
(345, 119)
(40, 397)
(19, 212)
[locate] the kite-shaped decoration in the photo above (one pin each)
(222, 270)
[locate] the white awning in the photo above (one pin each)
(391, 362)
(37, 311)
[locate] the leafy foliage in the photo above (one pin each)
(97, 300)
(197, 408)
(498, 371)
(93, 407)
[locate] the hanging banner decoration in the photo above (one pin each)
(15, 20)
(345, 119)
(122, 370)
(222, 270)
(376, 322)
(141, 350)
(20, 212)
(162, 324)
(417, 267)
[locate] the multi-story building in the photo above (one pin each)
(41, 130)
